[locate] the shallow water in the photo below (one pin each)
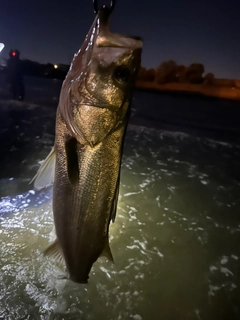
(175, 240)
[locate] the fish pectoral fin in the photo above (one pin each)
(72, 160)
(115, 201)
(54, 250)
(107, 251)
(45, 175)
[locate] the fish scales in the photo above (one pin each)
(94, 192)
(84, 164)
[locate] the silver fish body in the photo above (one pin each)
(83, 197)
(91, 121)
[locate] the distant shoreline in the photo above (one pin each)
(192, 89)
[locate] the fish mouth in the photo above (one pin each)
(104, 46)
(106, 38)
(103, 23)
(132, 37)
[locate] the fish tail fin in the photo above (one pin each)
(62, 277)
(45, 175)
(54, 250)
(107, 251)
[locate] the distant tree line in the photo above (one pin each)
(170, 72)
(33, 68)
(166, 72)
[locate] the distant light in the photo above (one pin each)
(13, 53)
(1, 46)
(55, 66)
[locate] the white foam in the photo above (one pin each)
(137, 317)
(130, 194)
(224, 260)
(212, 268)
(226, 271)
(212, 290)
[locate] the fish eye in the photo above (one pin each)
(122, 74)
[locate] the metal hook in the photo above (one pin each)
(109, 9)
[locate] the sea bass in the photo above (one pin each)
(84, 164)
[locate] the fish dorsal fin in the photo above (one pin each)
(107, 251)
(54, 250)
(45, 175)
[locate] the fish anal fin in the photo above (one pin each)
(45, 175)
(54, 251)
(107, 251)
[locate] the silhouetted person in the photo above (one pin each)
(15, 76)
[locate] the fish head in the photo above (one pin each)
(112, 71)
(97, 91)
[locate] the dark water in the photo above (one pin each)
(176, 237)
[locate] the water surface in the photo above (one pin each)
(175, 240)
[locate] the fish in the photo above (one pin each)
(84, 164)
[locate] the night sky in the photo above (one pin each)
(187, 31)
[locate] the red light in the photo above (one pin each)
(13, 53)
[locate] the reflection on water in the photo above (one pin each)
(175, 240)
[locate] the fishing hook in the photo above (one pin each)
(109, 9)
